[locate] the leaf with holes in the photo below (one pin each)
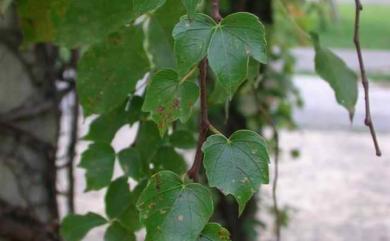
(75, 227)
(169, 99)
(339, 76)
(214, 232)
(98, 160)
(172, 210)
(237, 165)
(109, 71)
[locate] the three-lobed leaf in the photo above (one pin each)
(169, 99)
(229, 46)
(341, 78)
(237, 165)
(98, 160)
(172, 210)
(109, 71)
(74, 227)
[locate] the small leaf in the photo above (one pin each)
(148, 140)
(237, 165)
(183, 139)
(192, 38)
(131, 163)
(109, 71)
(117, 198)
(172, 210)
(98, 160)
(115, 232)
(239, 37)
(191, 6)
(214, 232)
(74, 227)
(167, 158)
(85, 22)
(168, 99)
(341, 78)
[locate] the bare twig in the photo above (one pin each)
(204, 121)
(368, 119)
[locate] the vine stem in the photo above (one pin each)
(356, 39)
(204, 124)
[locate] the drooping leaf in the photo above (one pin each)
(239, 37)
(79, 23)
(167, 158)
(109, 71)
(169, 99)
(237, 165)
(75, 227)
(173, 210)
(339, 76)
(131, 163)
(117, 197)
(158, 34)
(98, 160)
(214, 232)
(104, 128)
(183, 139)
(192, 38)
(115, 232)
(191, 6)
(142, 6)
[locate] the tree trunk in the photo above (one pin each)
(29, 130)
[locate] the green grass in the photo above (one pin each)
(375, 28)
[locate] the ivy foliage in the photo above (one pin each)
(159, 43)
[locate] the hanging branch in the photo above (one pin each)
(368, 119)
(204, 124)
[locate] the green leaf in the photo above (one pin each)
(167, 158)
(109, 71)
(143, 6)
(85, 22)
(104, 128)
(169, 99)
(228, 45)
(173, 210)
(191, 6)
(239, 37)
(183, 139)
(341, 78)
(74, 227)
(117, 197)
(131, 163)
(115, 232)
(192, 38)
(158, 34)
(148, 140)
(214, 232)
(237, 165)
(98, 160)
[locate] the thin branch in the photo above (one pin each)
(204, 121)
(215, 11)
(368, 119)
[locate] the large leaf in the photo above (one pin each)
(341, 78)
(214, 232)
(169, 99)
(237, 165)
(98, 160)
(192, 38)
(88, 21)
(75, 227)
(238, 37)
(158, 34)
(109, 71)
(173, 210)
(115, 232)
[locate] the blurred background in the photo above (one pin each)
(332, 187)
